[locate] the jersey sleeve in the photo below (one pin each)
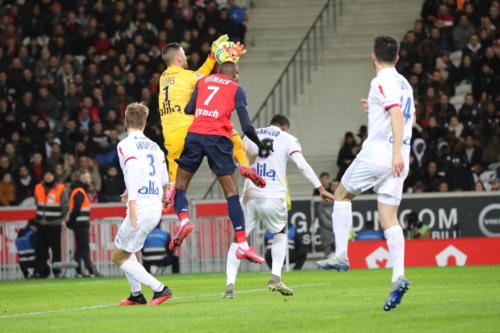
(389, 92)
(126, 152)
(240, 98)
(293, 146)
(250, 147)
(206, 68)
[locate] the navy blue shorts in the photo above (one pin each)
(218, 150)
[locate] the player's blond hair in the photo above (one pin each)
(136, 115)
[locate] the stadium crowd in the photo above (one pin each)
(69, 68)
(450, 58)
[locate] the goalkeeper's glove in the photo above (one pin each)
(217, 44)
(235, 51)
(266, 148)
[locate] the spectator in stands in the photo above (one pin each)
(369, 232)
(431, 177)
(112, 186)
(462, 32)
(8, 191)
(324, 178)
(471, 153)
(347, 153)
(51, 200)
(25, 184)
(459, 177)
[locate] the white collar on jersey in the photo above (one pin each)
(387, 70)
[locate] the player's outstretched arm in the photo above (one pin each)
(397, 125)
(209, 64)
(309, 173)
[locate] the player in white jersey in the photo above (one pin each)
(268, 205)
(383, 164)
(145, 171)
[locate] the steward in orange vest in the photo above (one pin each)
(51, 200)
(79, 221)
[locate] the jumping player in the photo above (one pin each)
(146, 175)
(213, 101)
(269, 204)
(176, 87)
(382, 164)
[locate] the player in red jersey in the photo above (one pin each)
(213, 101)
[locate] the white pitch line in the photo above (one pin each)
(28, 314)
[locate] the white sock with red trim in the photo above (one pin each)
(232, 264)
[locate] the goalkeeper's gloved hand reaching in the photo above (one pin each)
(266, 148)
(217, 44)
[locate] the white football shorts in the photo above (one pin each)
(132, 239)
(272, 212)
(361, 176)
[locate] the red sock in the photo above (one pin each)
(240, 236)
(183, 215)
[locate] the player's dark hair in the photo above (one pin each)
(227, 68)
(280, 120)
(166, 53)
(386, 49)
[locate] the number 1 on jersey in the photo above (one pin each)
(214, 89)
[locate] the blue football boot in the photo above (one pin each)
(398, 289)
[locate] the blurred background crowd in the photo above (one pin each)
(450, 58)
(69, 68)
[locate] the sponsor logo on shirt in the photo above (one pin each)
(406, 140)
(151, 189)
(206, 113)
(262, 170)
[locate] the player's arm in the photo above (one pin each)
(191, 105)
(132, 174)
(209, 64)
(246, 124)
(308, 172)
(397, 125)
(391, 97)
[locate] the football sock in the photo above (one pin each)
(139, 273)
(135, 287)
(342, 224)
(181, 206)
(239, 153)
(278, 252)
(396, 245)
(232, 264)
(243, 245)
(237, 218)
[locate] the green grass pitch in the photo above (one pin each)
(454, 299)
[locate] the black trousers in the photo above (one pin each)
(82, 251)
(168, 260)
(47, 237)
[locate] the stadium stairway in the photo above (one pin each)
(274, 31)
(331, 105)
